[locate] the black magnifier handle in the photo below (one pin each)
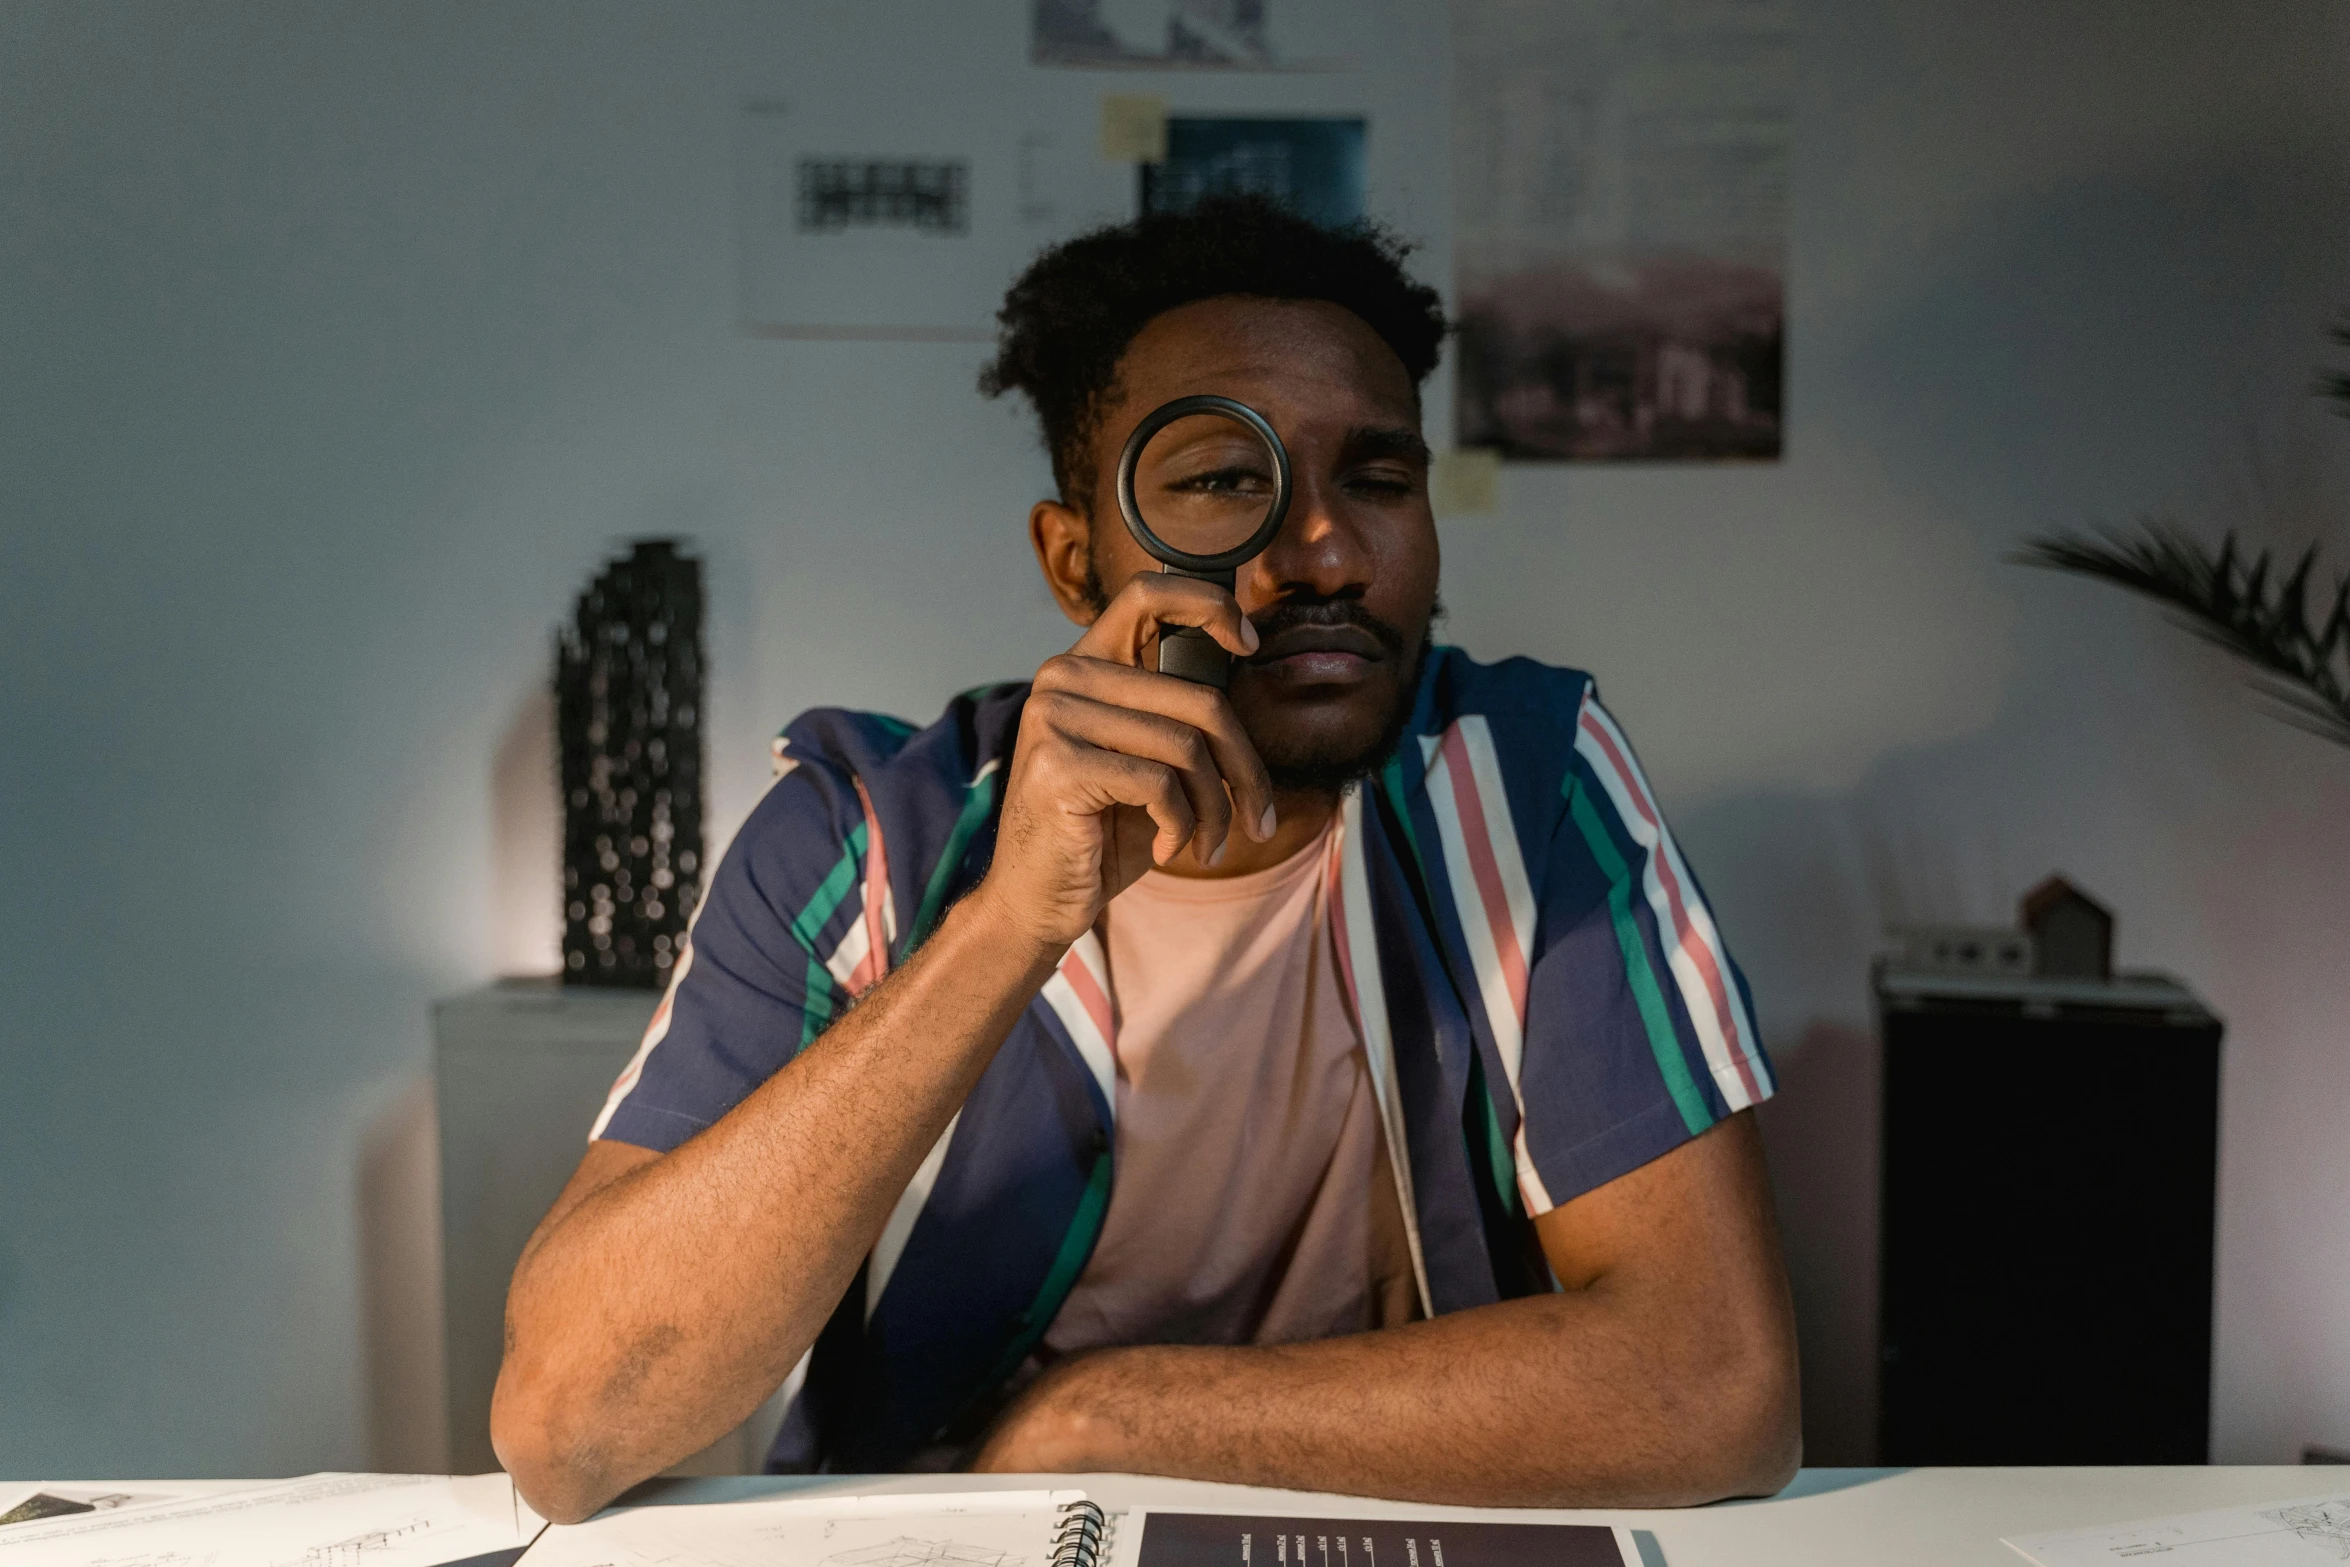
(1187, 651)
(1190, 653)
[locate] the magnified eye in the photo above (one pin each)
(1225, 481)
(1204, 483)
(1201, 505)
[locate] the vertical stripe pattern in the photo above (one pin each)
(1693, 948)
(655, 1031)
(1356, 943)
(900, 1226)
(1079, 994)
(1494, 897)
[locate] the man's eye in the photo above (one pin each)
(1222, 481)
(1383, 483)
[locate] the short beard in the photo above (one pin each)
(1324, 771)
(1327, 772)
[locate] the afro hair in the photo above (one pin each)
(1069, 318)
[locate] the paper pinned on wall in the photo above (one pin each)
(1134, 127)
(1620, 181)
(883, 231)
(1213, 35)
(1314, 167)
(1465, 481)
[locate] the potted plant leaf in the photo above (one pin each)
(2298, 649)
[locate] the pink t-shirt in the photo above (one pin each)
(1253, 1202)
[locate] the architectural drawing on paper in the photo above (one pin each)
(916, 196)
(361, 1549)
(2325, 1525)
(906, 1551)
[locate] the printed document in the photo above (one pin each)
(963, 1529)
(2305, 1533)
(328, 1520)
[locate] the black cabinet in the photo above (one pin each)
(2050, 1154)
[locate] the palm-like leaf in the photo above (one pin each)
(2303, 665)
(2335, 383)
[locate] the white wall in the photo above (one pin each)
(336, 342)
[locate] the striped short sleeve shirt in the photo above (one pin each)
(1544, 999)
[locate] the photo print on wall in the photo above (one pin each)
(1193, 35)
(1620, 189)
(1218, 34)
(1314, 167)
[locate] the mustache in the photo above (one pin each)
(1291, 614)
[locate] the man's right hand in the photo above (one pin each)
(1118, 768)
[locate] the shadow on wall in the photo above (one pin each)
(526, 840)
(399, 1224)
(1821, 1133)
(399, 1185)
(2125, 345)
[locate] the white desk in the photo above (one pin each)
(1827, 1518)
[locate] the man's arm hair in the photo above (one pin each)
(666, 1295)
(1662, 1374)
(664, 1298)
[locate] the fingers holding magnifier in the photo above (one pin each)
(1128, 627)
(1183, 752)
(1168, 719)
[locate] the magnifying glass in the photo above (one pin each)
(1215, 481)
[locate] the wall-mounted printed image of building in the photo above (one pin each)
(1620, 174)
(1666, 359)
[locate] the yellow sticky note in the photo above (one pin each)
(1466, 480)
(1134, 127)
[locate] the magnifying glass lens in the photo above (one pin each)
(1204, 483)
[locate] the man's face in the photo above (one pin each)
(1343, 595)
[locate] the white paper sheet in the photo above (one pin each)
(22, 1504)
(976, 1529)
(2301, 1533)
(331, 1520)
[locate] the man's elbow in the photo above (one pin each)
(1755, 1441)
(558, 1476)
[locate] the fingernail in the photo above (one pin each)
(1248, 633)
(1265, 827)
(1217, 858)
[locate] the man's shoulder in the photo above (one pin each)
(1528, 709)
(976, 731)
(838, 767)
(1506, 734)
(1458, 685)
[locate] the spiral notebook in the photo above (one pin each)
(1170, 1539)
(963, 1529)
(1052, 1529)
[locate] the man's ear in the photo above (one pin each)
(1063, 539)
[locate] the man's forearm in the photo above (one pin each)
(653, 1314)
(1559, 1400)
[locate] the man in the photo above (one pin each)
(1339, 1084)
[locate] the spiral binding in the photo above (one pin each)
(1078, 1543)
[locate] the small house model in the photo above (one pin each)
(2072, 933)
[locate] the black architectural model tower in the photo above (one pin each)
(628, 726)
